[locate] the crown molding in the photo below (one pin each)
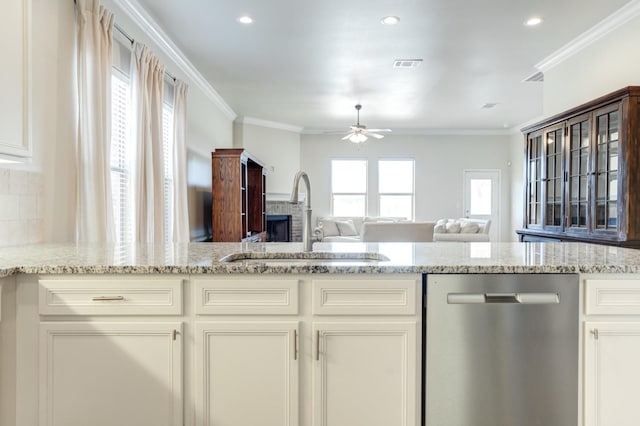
(270, 124)
(595, 33)
(428, 132)
(141, 18)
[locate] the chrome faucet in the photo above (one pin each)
(306, 231)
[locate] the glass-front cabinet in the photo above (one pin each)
(582, 173)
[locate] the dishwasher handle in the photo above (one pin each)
(509, 298)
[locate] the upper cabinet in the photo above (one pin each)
(15, 45)
(582, 177)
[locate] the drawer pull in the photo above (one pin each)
(107, 298)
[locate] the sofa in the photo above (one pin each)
(346, 228)
(413, 232)
(462, 229)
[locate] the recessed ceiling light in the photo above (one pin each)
(533, 21)
(245, 20)
(390, 20)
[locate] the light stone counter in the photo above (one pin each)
(200, 258)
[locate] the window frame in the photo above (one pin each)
(411, 194)
(366, 180)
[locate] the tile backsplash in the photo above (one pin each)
(20, 207)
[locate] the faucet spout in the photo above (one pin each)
(306, 232)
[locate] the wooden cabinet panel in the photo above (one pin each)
(105, 374)
(612, 372)
(247, 373)
(365, 374)
(110, 297)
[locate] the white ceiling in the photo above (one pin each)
(307, 63)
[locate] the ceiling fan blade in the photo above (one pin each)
(335, 132)
(347, 137)
(375, 135)
(379, 130)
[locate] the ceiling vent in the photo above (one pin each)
(406, 63)
(539, 76)
(489, 105)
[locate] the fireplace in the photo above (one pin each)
(279, 227)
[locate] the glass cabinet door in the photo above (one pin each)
(534, 180)
(552, 170)
(605, 192)
(578, 145)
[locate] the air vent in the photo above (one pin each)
(489, 105)
(407, 63)
(539, 76)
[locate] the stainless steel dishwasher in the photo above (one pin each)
(501, 350)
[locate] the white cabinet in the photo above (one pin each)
(247, 373)
(105, 356)
(365, 374)
(611, 336)
(612, 373)
(105, 374)
(329, 351)
(233, 350)
(15, 74)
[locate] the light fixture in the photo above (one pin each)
(533, 21)
(357, 138)
(245, 20)
(390, 20)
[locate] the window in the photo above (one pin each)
(120, 157)
(167, 145)
(395, 188)
(348, 187)
(122, 150)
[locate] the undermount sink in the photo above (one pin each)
(303, 257)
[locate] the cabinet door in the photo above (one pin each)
(15, 45)
(612, 372)
(534, 181)
(552, 171)
(105, 374)
(365, 374)
(247, 373)
(577, 166)
(605, 169)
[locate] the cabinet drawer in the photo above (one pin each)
(612, 297)
(246, 297)
(110, 297)
(364, 297)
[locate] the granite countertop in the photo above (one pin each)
(200, 258)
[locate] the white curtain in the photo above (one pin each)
(94, 213)
(180, 206)
(147, 91)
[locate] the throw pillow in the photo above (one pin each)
(347, 228)
(440, 228)
(329, 228)
(453, 227)
(442, 222)
(469, 228)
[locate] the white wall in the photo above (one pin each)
(607, 65)
(439, 162)
(516, 184)
(278, 149)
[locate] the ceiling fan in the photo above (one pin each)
(359, 133)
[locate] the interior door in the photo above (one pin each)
(482, 198)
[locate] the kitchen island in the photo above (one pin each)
(171, 335)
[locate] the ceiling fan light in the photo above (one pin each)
(357, 138)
